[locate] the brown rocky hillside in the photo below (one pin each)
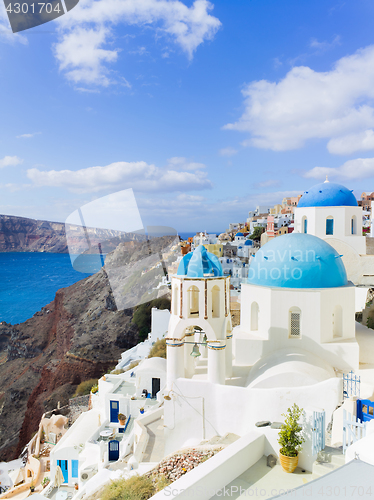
(77, 337)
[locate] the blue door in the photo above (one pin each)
(113, 450)
(74, 468)
(64, 467)
(114, 410)
(365, 410)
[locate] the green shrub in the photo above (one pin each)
(142, 315)
(85, 387)
(290, 435)
(158, 350)
(135, 488)
(370, 322)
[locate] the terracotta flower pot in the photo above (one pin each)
(122, 422)
(289, 464)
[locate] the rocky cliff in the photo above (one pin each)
(19, 234)
(78, 336)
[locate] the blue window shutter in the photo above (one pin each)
(74, 468)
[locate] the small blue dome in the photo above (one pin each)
(239, 234)
(297, 261)
(328, 194)
(249, 243)
(200, 264)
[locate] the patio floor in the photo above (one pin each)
(261, 481)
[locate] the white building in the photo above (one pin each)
(298, 298)
(200, 298)
(204, 238)
(330, 211)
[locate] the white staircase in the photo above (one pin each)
(328, 460)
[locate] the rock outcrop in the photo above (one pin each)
(20, 234)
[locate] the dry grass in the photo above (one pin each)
(84, 388)
(158, 350)
(135, 488)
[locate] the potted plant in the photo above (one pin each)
(290, 439)
(45, 481)
(32, 486)
(76, 487)
(141, 410)
(122, 418)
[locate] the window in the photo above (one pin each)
(338, 322)
(254, 316)
(294, 323)
(215, 302)
(193, 302)
(353, 225)
(305, 225)
(330, 225)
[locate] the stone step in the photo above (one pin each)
(320, 469)
(332, 455)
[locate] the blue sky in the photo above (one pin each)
(204, 109)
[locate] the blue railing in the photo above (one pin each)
(351, 385)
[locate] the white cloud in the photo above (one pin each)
(360, 168)
(137, 175)
(348, 144)
(322, 46)
(228, 151)
(27, 136)
(81, 55)
(84, 49)
(268, 183)
(10, 161)
(180, 162)
(307, 104)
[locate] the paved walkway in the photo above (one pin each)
(260, 481)
(154, 451)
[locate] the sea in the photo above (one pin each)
(30, 281)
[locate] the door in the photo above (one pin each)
(114, 410)
(318, 432)
(113, 450)
(365, 410)
(64, 467)
(155, 386)
(74, 469)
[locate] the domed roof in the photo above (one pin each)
(249, 243)
(297, 260)
(200, 264)
(239, 234)
(328, 194)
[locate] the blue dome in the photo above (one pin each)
(249, 243)
(239, 234)
(200, 264)
(328, 194)
(297, 261)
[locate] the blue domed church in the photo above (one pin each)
(330, 211)
(298, 298)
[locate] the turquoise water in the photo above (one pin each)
(29, 281)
